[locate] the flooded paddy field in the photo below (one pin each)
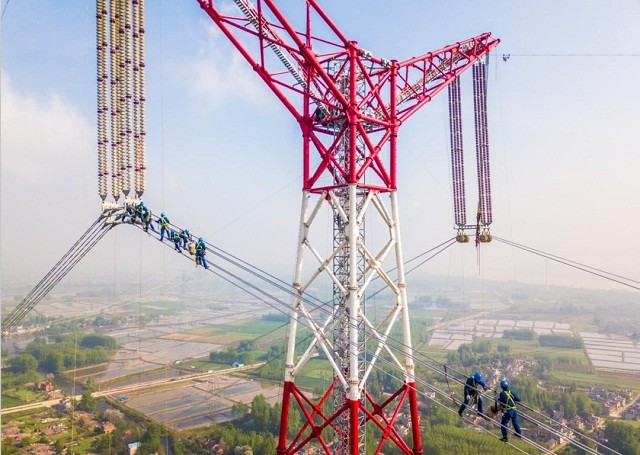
(203, 402)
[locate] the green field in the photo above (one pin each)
(203, 364)
(316, 373)
(598, 380)
(232, 332)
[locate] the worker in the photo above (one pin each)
(471, 392)
(147, 217)
(185, 236)
(507, 403)
(163, 224)
(141, 209)
(173, 235)
(201, 249)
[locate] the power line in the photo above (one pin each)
(283, 307)
(576, 265)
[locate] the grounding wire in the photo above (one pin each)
(570, 264)
(304, 323)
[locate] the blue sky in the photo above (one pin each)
(224, 157)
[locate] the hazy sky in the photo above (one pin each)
(224, 158)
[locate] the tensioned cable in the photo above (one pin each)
(4, 10)
(287, 306)
(570, 55)
(567, 262)
(287, 286)
(304, 323)
(77, 251)
(286, 289)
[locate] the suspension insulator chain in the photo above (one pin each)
(482, 142)
(102, 47)
(142, 162)
(113, 73)
(457, 157)
(121, 80)
(127, 168)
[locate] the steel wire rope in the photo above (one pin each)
(571, 263)
(572, 55)
(288, 286)
(4, 10)
(62, 258)
(304, 323)
(287, 307)
(63, 272)
(71, 261)
(552, 256)
(42, 291)
(55, 274)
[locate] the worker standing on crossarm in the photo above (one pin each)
(163, 224)
(471, 392)
(507, 402)
(201, 248)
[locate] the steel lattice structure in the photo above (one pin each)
(349, 105)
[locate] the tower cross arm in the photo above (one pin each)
(419, 79)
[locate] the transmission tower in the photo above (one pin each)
(349, 105)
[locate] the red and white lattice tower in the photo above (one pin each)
(349, 105)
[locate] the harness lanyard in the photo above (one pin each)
(509, 397)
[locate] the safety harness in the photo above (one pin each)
(509, 407)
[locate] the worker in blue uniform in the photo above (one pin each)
(507, 403)
(141, 209)
(201, 248)
(173, 235)
(472, 392)
(147, 217)
(163, 224)
(185, 236)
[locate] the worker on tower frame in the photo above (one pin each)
(507, 403)
(471, 393)
(201, 249)
(163, 224)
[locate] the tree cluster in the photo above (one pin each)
(69, 351)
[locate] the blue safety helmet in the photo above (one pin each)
(200, 239)
(504, 384)
(162, 214)
(186, 231)
(477, 376)
(141, 203)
